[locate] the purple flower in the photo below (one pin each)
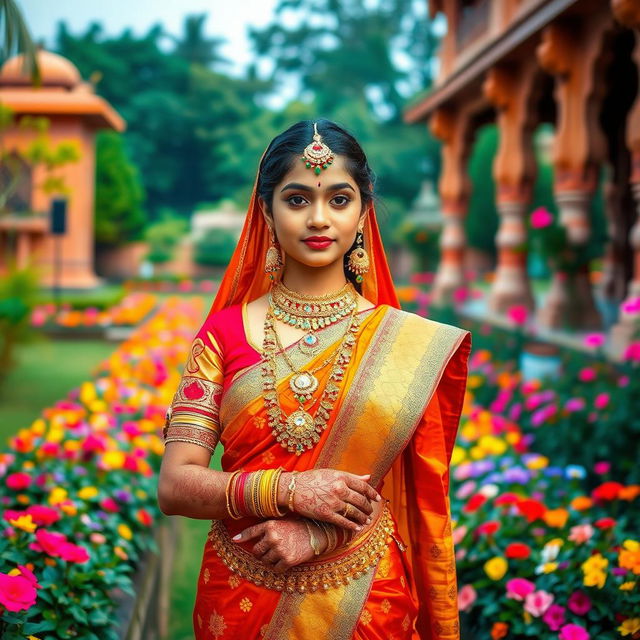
(122, 496)
(574, 404)
(553, 472)
(516, 475)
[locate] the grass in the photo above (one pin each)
(46, 371)
(190, 546)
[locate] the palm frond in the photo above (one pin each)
(15, 36)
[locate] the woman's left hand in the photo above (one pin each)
(280, 544)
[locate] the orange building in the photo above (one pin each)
(520, 63)
(75, 113)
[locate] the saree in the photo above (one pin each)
(396, 417)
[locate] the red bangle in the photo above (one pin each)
(239, 493)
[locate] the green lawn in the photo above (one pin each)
(47, 370)
(186, 568)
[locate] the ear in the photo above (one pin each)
(267, 216)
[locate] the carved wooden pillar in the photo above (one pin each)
(570, 53)
(627, 12)
(514, 172)
(23, 249)
(451, 127)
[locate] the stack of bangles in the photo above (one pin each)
(254, 493)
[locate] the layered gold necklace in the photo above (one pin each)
(300, 430)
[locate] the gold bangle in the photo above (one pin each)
(232, 512)
(292, 489)
(255, 491)
(313, 541)
(275, 487)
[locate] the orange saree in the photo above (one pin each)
(396, 417)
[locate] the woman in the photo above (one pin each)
(337, 412)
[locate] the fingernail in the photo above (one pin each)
(359, 527)
(237, 537)
(368, 519)
(378, 498)
(366, 475)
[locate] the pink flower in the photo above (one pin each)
(466, 489)
(579, 603)
(73, 553)
(519, 588)
(518, 314)
(554, 617)
(466, 597)
(602, 467)
(594, 339)
(600, 402)
(574, 404)
(573, 632)
(631, 306)
(581, 533)
(538, 602)
(18, 481)
(109, 504)
(459, 533)
(16, 592)
(588, 374)
(43, 515)
(28, 574)
(49, 542)
(540, 218)
(632, 352)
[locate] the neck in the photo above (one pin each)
(314, 281)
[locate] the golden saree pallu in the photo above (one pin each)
(322, 574)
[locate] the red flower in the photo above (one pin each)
(531, 509)
(144, 517)
(517, 550)
(474, 503)
(109, 504)
(507, 498)
(605, 523)
(48, 542)
(607, 491)
(73, 553)
(488, 528)
(18, 481)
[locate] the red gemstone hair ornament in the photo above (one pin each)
(316, 154)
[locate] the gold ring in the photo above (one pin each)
(347, 510)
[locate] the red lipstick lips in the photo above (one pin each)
(318, 242)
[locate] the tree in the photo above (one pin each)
(119, 215)
(17, 39)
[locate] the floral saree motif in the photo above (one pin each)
(396, 417)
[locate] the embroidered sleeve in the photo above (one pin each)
(428, 505)
(194, 412)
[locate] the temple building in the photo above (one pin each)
(521, 63)
(75, 114)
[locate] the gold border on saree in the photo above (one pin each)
(308, 576)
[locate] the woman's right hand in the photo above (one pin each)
(324, 494)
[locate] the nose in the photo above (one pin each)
(317, 216)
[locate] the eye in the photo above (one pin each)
(291, 199)
(345, 200)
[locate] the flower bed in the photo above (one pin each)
(78, 497)
(130, 311)
(537, 554)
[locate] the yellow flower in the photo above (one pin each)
(28, 465)
(539, 462)
(496, 567)
(549, 567)
(512, 437)
(458, 455)
(594, 563)
(72, 445)
(629, 627)
(631, 545)
(25, 523)
(38, 427)
(475, 381)
(627, 586)
(57, 495)
(595, 579)
(56, 434)
(477, 453)
(87, 393)
(98, 406)
(32, 638)
(113, 459)
(86, 493)
(125, 532)
(527, 617)
(141, 494)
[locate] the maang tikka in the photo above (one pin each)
(273, 257)
(316, 154)
(359, 258)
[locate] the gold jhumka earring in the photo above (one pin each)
(273, 257)
(359, 258)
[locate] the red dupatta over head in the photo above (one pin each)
(245, 280)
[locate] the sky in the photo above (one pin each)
(225, 19)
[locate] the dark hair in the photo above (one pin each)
(286, 149)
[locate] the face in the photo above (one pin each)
(306, 205)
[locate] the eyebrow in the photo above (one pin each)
(304, 187)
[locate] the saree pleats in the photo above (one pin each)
(395, 417)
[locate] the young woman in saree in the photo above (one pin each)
(337, 412)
